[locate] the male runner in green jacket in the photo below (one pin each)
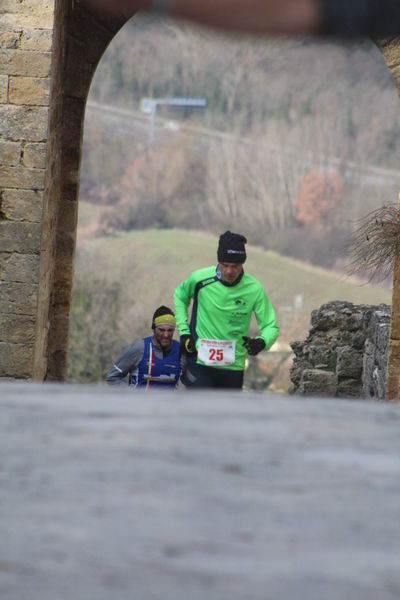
(224, 297)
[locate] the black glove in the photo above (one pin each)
(187, 345)
(253, 345)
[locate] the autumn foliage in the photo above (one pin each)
(319, 196)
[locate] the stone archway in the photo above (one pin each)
(49, 53)
(80, 41)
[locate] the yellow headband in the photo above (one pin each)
(165, 320)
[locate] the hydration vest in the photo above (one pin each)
(155, 372)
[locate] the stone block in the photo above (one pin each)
(10, 153)
(80, 70)
(17, 329)
(24, 123)
(318, 382)
(65, 248)
(358, 340)
(349, 363)
(20, 268)
(16, 360)
(70, 193)
(68, 217)
(84, 27)
(319, 355)
(325, 321)
(35, 155)
(28, 14)
(71, 166)
(18, 298)
(10, 38)
(21, 177)
(297, 347)
(25, 63)
(75, 114)
(378, 325)
(382, 336)
(39, 40)
(395, 350)
(379, 379)
(350, 388)
(20, 237)
(368, 361)
(337, 315)
(22, 205)
(395, 327)
(26, 91)
(295, 375)
(3, 89)
(355, 321)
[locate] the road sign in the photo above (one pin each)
(146, 105)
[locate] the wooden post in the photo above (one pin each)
(393, 365)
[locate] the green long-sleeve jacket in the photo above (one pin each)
(223, 312)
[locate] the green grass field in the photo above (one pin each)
(149, 264)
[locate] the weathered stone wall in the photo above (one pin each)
(49, 51)
(345, 353)
(26, 43)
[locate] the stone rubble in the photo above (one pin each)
(345, 353)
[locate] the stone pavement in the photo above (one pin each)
(114, 495)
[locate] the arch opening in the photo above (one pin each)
(59, 48)
(231, 147)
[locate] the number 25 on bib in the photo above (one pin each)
(217, 352)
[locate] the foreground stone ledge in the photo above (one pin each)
(107, 494)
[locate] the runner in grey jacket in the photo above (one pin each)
(152, 361)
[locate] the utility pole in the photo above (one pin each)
(393, 365)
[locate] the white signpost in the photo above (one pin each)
(149, 106)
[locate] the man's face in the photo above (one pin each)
(163, 335)
(230, 271)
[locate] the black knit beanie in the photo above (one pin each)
(163, 311)
(231, 248)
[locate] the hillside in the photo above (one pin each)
(121, 279)
(288, 124)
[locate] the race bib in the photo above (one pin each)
(217, 352)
